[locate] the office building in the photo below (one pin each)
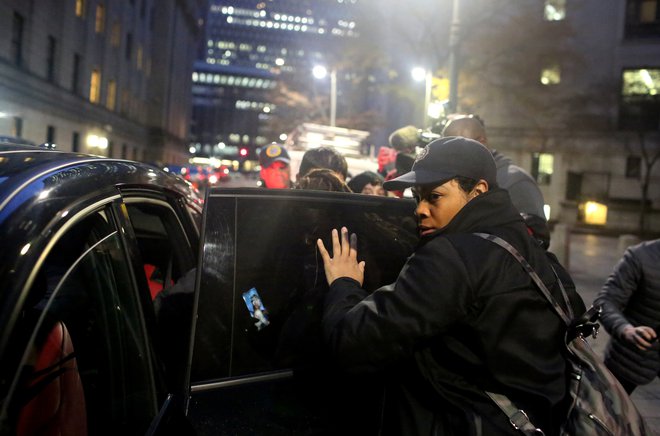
(249, 48)
(105, 77)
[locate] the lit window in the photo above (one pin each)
(640, 99)
(593, 213)
(641, 82)
(99, 25)
(543, 167)
(111, 96)
(95, 86)
(555, 10)
(80, 8)
(551, 75)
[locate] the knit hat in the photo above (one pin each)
(443, 159)
(272, 153)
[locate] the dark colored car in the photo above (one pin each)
(116, 319)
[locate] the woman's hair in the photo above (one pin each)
(323, 157)
(363, 179)
(467, 184)
(322, 179)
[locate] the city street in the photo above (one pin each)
(592, 258)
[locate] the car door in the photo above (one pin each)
(80, 343)
(258, 361)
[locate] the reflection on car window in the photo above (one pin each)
(274, 256)
(84, 298)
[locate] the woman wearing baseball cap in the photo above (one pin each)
(463, 316)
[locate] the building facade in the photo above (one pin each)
(104, 77)
(570, 90)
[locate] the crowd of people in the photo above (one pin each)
(463, 317)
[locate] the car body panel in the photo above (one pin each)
(45, 196)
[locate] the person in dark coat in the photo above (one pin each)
(630, 303)
(463, 316)
(523, 189)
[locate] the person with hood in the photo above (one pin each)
(463, 317)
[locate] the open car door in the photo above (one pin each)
(259, 365)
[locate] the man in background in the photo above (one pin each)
(523, 189)
(275, 170)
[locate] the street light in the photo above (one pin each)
(422, 74)
(454, 41)
(320, 72)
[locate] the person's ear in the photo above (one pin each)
(479, 188)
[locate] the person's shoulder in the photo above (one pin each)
(646, 248)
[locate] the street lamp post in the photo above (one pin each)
(320, 72)
(421, 74)
(453, 57)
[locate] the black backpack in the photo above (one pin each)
(599, 404)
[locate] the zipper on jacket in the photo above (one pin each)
(600, 423)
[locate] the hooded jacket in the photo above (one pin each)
(463, 317)
(631, 295)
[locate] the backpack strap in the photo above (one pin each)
(535, 277)
(517, 417)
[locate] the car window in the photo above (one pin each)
(262, 281)
(87, 345)
(168, 265)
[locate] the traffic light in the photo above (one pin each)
(243, 152)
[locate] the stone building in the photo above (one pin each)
(97, 76)
(570, 91)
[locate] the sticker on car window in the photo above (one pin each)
(256, 307)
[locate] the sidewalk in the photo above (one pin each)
(590, 262)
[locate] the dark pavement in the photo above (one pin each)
(591, 260)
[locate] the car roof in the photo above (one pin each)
(40, 189)
(24, 168)
(36, 184)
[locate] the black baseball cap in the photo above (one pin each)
(445, 158)
(272, 153)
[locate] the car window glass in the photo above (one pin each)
(262, 279)
(168, 266)
(88, 348)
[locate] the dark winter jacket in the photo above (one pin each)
(462, 317)
(631, 295)
(523, 190)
